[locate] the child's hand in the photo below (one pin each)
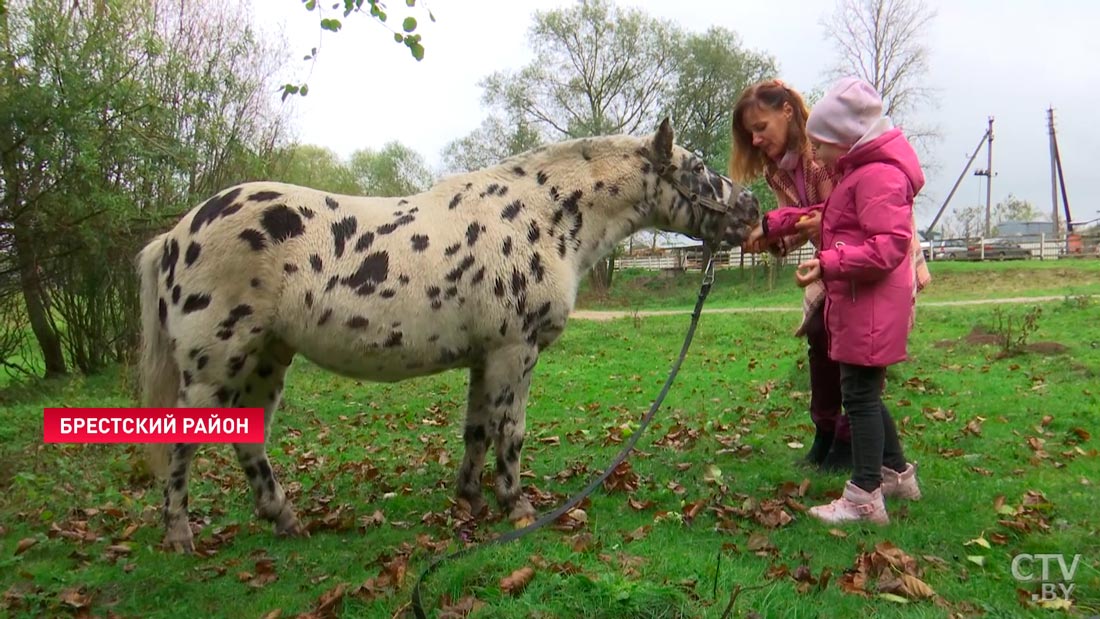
(808, 272)
(810, 225)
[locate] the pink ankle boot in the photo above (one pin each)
(901, 485)
(856, 504)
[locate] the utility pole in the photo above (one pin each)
(988, 173)
(1053, 172)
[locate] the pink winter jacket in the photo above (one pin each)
(866, 229)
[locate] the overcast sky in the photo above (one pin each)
(1006, 59)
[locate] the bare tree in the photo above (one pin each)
(882, 41)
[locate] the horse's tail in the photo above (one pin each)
(158, 373)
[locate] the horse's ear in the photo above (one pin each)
(662, 142)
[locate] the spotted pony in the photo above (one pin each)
(479, 272)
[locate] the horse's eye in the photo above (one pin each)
(699, 168)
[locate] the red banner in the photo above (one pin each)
(153, 425)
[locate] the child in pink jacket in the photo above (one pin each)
(864, 261)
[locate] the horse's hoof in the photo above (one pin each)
(180, 545)
(523, 514)
(473, 508)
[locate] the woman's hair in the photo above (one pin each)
(746, 161)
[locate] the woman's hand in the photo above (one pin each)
(756, 243)
(808, 272)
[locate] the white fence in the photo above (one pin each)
(1039, 247)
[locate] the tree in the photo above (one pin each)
(712, 69)
(1015, 209)
(599, 70)
(492, 142)
(313, 166)
(394, 170)
(882, 42)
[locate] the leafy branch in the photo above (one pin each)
(406, 36)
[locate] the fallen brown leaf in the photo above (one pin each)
(24, 545)
(460, 609)
(517, 581)
(274, 614)
(637, 534)
(75, 597)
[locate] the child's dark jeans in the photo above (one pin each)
(874, 436)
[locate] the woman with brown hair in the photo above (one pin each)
(769, 140)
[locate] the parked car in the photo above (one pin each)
(952, 249)
(999, 249)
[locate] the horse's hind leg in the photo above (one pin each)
(476, 437)
(176, 521)
(506, 386)
(263, 389)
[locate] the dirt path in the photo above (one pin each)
(613, 314)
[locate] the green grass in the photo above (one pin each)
(345, 449)
(951, 281)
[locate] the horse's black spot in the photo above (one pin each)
(324, 317)
(235, 365)
(290, 268)
(218, 206)
(450, 293)
(613, 190)
(255, 283)
(192, 254)
(341, 231)
(541, 177)
(387, 228)
(503, 327)
(388, 294)
(518, 171)
(374, 268)
(519, 283)
(433, 292)
(509, 213)
(474, 434)
(195, 302)
(480, 275)
(436, 304)
(364, 242)
(309, 299)
(235, 315)
(490, 190)
(452, 249)
(554, 194)
(404, 279)
(536, 267)
(366, 290)
(533, 232)
(472, 232)
(162, 311)
(331, 283)
(433, 338)
(264, 196)
(194, 352)
(223, 395)
(419, 242)
(503, 189)
(176, 291)
(187, 378)
(281, 223)
(331, 203)
(456, 273)
(571, 203)
(454, 201)
(201, 362)
(316, 263)
(599, 185)
(561, 246)
(393, 341)
(255, 238)
(357, 322)
(306, 212)
(498, 287)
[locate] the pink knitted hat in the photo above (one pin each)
(845, 113)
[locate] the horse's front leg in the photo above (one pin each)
(507, 381)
